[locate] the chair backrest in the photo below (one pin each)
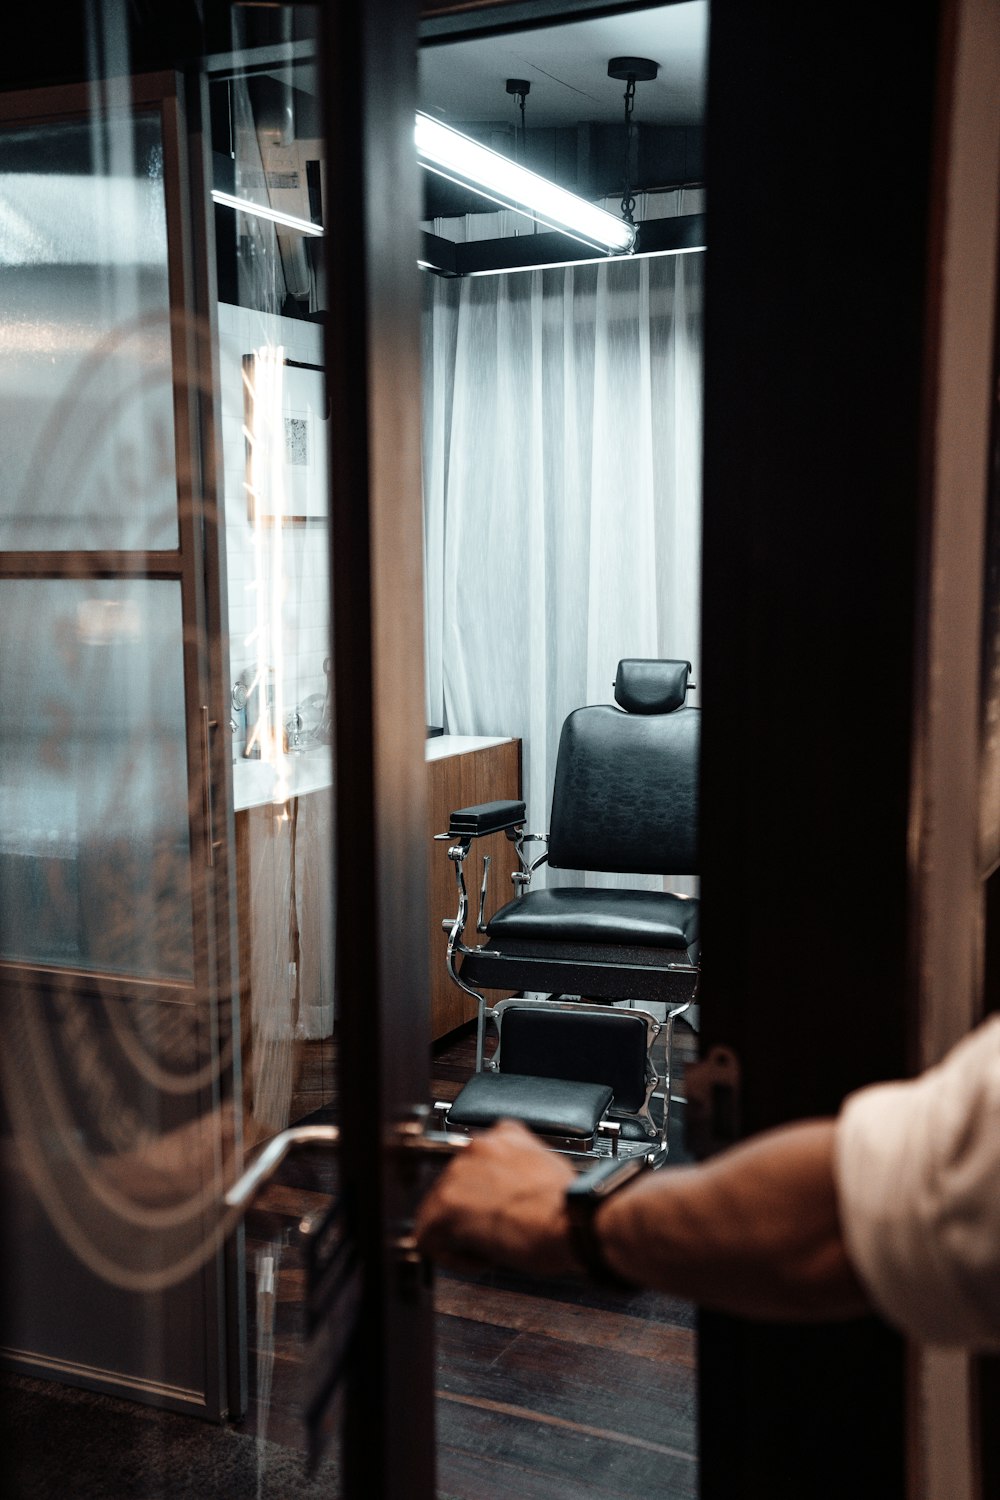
(626, 788)
(580, 1044)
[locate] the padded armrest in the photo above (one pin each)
(486, 817)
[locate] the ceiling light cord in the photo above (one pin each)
(629, 70)
(628, 197)
(520, 88)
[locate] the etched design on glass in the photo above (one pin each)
(120, 1072)
(111, 1135)
(86, 372)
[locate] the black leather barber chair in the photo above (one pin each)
(579, 1075)
(625, 800)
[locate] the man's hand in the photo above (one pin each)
(754, 1231)
(500, 1202)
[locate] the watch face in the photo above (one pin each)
(596, 1183)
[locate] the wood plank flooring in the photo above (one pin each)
(547, 1389)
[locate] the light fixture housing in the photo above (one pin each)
(457, 157)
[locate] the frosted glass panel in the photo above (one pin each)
(87, 441)
(94, 839)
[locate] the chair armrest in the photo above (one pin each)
(484, 818)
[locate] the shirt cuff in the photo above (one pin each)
(917, 1165)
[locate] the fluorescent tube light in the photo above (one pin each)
(460, 159)
(554, 265)
(259, 211)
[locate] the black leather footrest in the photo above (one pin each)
(486, 817)
(550, 1106)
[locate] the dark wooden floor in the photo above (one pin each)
(550, 1389)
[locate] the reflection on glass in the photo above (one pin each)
(274, 439)
(94, 839)
(87, 441)
(127, 1105)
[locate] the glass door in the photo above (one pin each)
(134, 1076)
(119, 1067)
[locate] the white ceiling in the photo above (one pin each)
(567, 67)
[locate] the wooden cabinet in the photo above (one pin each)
(461, 772)
(286, 944)
(264, 861)
(286, 935)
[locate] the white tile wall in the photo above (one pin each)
(305, 612)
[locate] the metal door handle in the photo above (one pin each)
(207, 725)
(411, 1137)
(246, 1187)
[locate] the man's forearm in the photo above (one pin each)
(755, 1231)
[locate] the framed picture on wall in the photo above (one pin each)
(296, 422)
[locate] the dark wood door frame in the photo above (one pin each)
(823, 410)
(373, 358)
(813, 408)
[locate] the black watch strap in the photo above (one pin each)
(584, 1197)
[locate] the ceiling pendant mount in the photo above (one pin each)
(630, 71)
(521, 87)
(634, 69)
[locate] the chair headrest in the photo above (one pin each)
(644, 686)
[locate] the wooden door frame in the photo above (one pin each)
(955, 832)
(841, 655)
(376, 562)
(812, 521)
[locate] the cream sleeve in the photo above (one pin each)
(918, 1180)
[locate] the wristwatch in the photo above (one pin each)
(584, 1197)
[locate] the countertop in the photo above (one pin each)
(256, 782)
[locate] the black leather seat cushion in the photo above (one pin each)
(604, 1046)
(656, 919)
(550, 1106)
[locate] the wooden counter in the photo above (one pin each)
(285, 901)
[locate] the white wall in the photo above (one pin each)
(305, 616)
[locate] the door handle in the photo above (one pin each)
(415, 1137)
(208, 812)
(246, 1187)
(411, 1138)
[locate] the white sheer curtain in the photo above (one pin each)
(562, 474)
